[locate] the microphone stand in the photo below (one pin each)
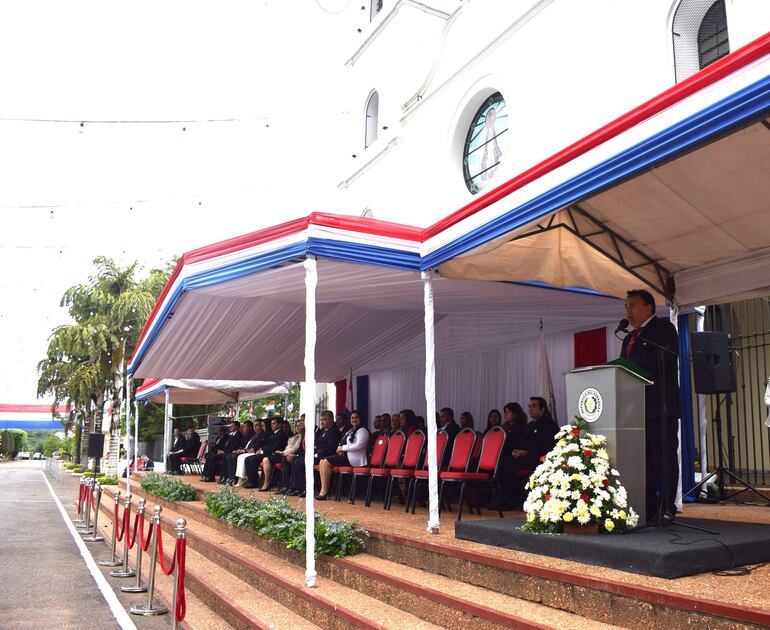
(664, 441)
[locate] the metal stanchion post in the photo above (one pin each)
(124, 571)
(137, 587)
(95, 535)
(86, 528)
(80, 520)
(147, 608)
(180, 534)
(113, 561)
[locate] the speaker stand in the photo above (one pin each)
(721, 470)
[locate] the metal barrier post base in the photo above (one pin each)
(95, 538)
(133, 589)
(123, 574)
(85, 530)
(147, 611)
(110, 563)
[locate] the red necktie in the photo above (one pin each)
(631, 343)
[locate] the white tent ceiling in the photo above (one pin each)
(208, 392)
(368, 317)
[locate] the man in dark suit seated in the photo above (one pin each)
(536, 441)
(215, 460)
(661, 412)
(192, 444)
(173, 460)
(446, 422)
(248, 439)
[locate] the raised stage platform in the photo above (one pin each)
(669, 552)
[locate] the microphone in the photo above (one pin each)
(622, 326)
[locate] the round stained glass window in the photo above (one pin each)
(485, 142)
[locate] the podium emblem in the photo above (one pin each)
(590, 404)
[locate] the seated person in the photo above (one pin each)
(215, 460)
(231, 459)
(537, 439)
(192, 443)
(351, 452)
(174, 457)
(266, 457)
(408, 421)
(145, 463)
(467, 421)
(395, 423)
(215, 445)
(419, 423)
(494, 419)
(342, 423)
(289, 455)
(327, 438)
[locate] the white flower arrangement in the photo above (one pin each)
(574, 483)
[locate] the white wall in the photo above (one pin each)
(565, 68)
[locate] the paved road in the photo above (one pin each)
(44, 580)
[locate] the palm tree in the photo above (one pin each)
(85, 362)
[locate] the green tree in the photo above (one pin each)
(85, 362)
(51, 444)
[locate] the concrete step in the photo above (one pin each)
(330, 605)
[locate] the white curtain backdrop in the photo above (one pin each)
(477, 381)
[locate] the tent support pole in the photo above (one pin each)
(166, 425)
(129, 453)
(136, 433)
(307, 406)
(430, 400)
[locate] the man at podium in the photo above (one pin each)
(653, 346)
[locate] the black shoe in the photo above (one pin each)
(321, 497)
(223, 481)
(250, 485)
(301, 495)
(292, 493)
(207, 479)
(264, 489)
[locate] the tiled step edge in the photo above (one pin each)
(608, 601)
(306, 602)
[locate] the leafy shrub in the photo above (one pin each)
(108, 481)
(70, 465)
(168, 488)
(277, 520)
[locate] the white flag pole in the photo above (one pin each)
(308, 407)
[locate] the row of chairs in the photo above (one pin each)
(473, 463)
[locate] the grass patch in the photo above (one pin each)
(277, 520)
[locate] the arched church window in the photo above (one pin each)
(699, 33)
(713, 43)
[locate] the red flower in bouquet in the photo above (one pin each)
(584, 496)
(606, 482)
(575, 432)
(587, 452)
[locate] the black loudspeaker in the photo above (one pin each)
(713, 366)
(96, 445)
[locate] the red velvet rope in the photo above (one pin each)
(145, 542)
(124, 527)
(163, 567)
(132, 539)
(181, 604)
(91, 492)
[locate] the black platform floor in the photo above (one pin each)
(669, 552)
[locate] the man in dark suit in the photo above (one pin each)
(275, 442)
(215, 461)
(446, 422)
(248, 441)
(176, 453)
(328, 437)
(661, 399)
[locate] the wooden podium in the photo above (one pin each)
(610, 398)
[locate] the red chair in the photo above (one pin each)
(460, 460)
(391, 461)
(195, 464)
(378, 454)
(486, 471)
(442, 439)
(412, 453)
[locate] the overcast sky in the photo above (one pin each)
(151, 190)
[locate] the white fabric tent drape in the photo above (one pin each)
(430, 403)
(308, 408)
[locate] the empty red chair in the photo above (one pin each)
(391, 461)
(486, 471)
(460, 460)
(442, 439)
(412, 453)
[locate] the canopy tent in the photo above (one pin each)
(675, 195)
(208, 392)
(628, 205)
